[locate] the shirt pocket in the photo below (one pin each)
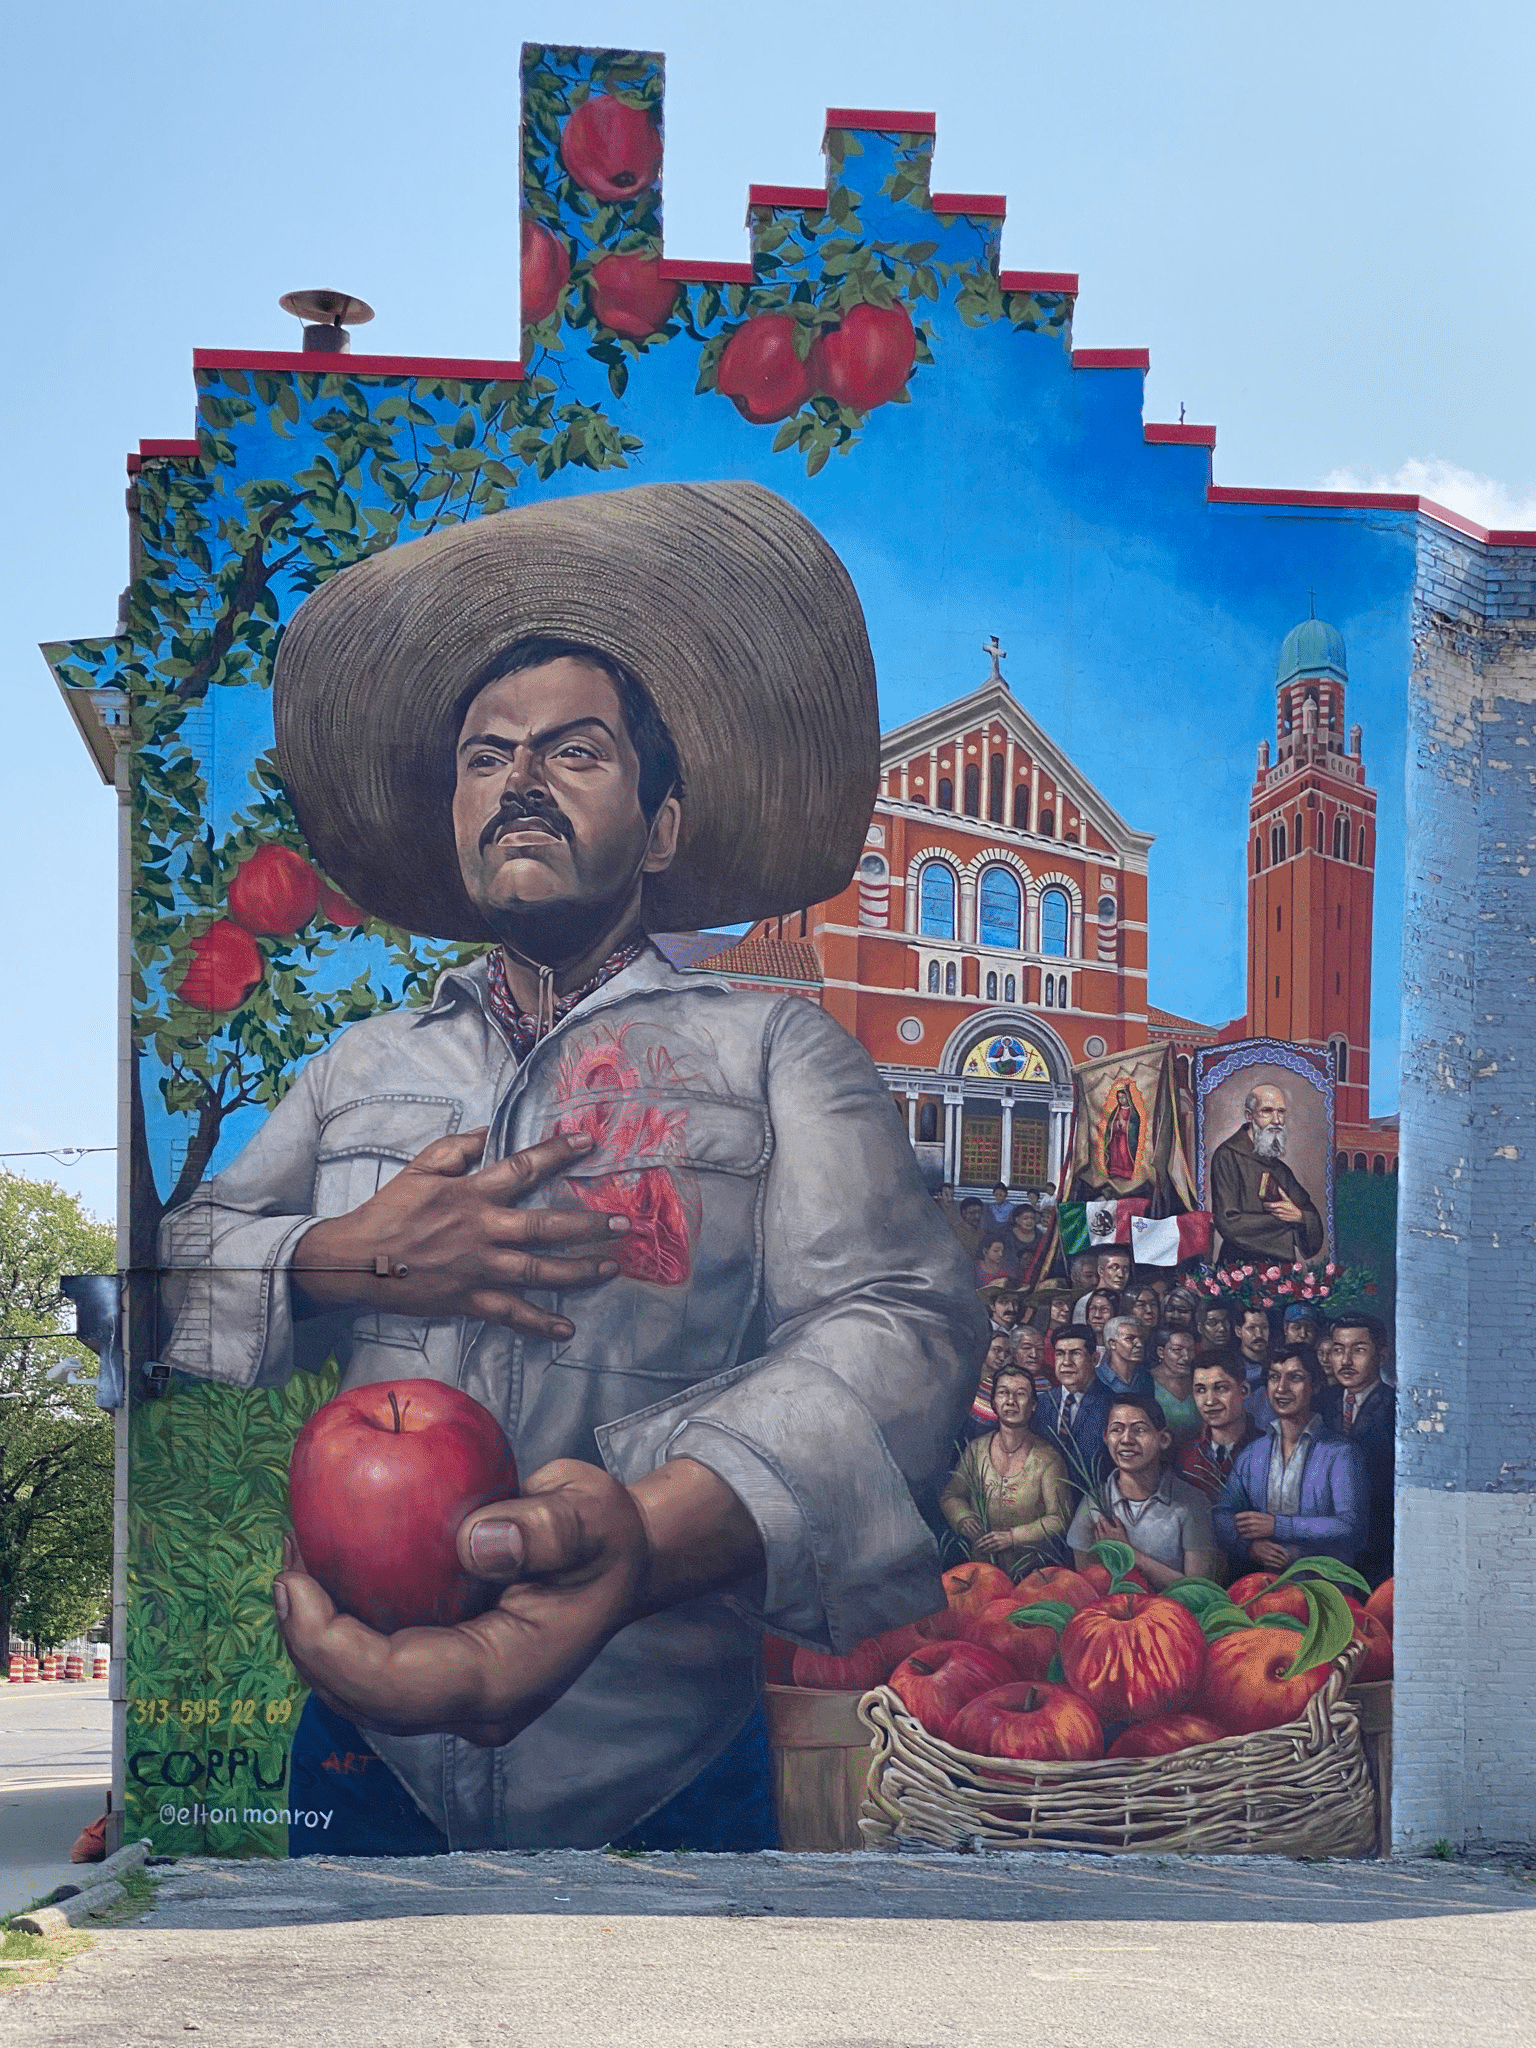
(685, 1169)
(364, 1143)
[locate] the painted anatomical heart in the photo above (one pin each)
(655, 1198)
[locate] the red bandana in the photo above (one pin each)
(525, 1031)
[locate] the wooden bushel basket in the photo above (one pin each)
(1300, 1790)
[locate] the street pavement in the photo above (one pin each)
(55, 1767)
(594, 1950)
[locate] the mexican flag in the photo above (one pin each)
(1087, 1225)
(1169, 1240)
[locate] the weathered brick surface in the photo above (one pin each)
(1466, 1659)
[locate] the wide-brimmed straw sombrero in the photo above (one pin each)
(721, 598)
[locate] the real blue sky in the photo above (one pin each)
(1309, 213)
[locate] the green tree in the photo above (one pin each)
(55, 1443)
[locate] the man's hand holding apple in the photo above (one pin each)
(578, 1557)
(452, 1241)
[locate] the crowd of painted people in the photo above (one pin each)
(1214, 1436)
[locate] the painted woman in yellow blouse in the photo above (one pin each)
(1008, 1496)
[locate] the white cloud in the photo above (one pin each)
(1482, 498)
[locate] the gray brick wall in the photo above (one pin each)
(1464, 1759)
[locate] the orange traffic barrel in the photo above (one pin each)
(74, 1669)
(30, 1674)
(50, 1666)
(99, 1667)
(18, 1671)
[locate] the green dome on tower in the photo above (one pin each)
(1312, 649)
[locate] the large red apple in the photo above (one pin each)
(379, 1482)
(276, 891)
(631, 296)
(338, 909)
(225, 966)
(1059, 1582)
(867, 358)
(1029, 1719)
(970, 1587)
(865, 1665)
(1244, 1687)
(546, 271)
(944, 1627)
(611, 150)
(1029, 1646)
(1098, 1577)
(1253, 1594)
(934, 1683)
(762, 372)
(1164, 1734)
(1133, 1655)
(1380, 1604)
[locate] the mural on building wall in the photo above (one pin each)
(676, 1221)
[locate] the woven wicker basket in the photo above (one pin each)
(1300, 1790)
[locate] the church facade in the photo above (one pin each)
(995, 934)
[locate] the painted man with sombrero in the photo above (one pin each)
(669, 1233)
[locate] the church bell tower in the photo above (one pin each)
(1311, 869)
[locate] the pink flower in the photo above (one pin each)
(1330, 1269)
(1273, 1273)
(1267, 1300)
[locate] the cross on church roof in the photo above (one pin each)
(999, 655)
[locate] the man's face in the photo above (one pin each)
(1216, 1327)
(998, 1353)
(1029, 1349)
(970, 1212)
(1074, 1366)
(1219, 1398)
(1356, 1358)
(1128, 1344)
(1300, 1330)
(1005, 1310)
(1290, 1389)
(1178, 1351)
(1114, 1270)
(1060, 1311)
(1085, 1271)
(1268, 1112)
(1178, 1314)
(1133, 1443)
(1025, 1226)
(546, 808)
(1253, 1335)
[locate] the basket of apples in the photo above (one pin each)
(1086, 1711)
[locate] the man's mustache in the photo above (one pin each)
(533, 809)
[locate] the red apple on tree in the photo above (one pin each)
(379, 1482)
(1166, 1733)
(1133, 1655)
(546, 271)
(612, 150)
(275, 891)
(971, 1587)
(340, 910)
(934, 1683)
(630, 295)
(864, 1665)
(1245, 1688)
(868, 357)
(762, 372)
(225, 966)
(1029, 1719)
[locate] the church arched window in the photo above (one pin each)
(992, 988)
(1021, 808)
(933, 977)
(1318, 835)
(1050, 991)
(1362, 846)
(928, 1123)
(972, 790)
(1258, 854)
(1339, 1047)
(1055, 923)
(995, 769)
(946, 794)
(1000, 904)
(1047, 824)
(949, 978)
(936, 901)
(1010, 989)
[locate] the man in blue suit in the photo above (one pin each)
(1299, 1490)
(1072, 1416)
(1363, 1408)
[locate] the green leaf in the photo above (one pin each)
(1332, 1626)
(1055, 1673)
(1044, 1613)
(1224, 1620)
(1285, 1621)
(1327, 1568)
(1198, 1595)
(1117, 1559)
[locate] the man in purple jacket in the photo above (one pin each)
(1299, 1490)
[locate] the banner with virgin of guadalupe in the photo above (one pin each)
(1128, 1137)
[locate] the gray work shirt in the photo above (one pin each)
(800, 1319)
(1172, 1523)
(1285, 1474)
